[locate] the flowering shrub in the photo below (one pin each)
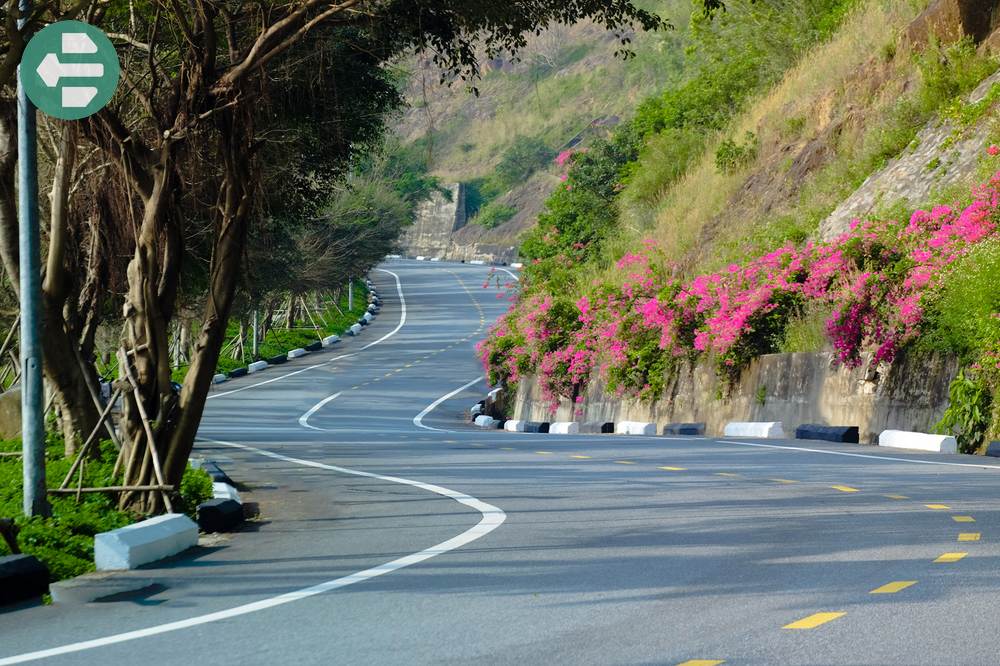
(877, 278)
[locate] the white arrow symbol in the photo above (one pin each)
(51, 70)
(77, 97)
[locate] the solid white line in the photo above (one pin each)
(492, 518)
(418, 419)
(516, 279)
(402, 320)
(304, 419)
(995, 468)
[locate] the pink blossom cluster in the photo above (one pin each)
(873, 279)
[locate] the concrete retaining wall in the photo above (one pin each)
(796, 389)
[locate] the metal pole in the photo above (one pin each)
(32, 390)
(350, 295)
(255, 335)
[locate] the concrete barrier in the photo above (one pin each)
(225, 491)
(436, 259)
(220, 515)
(827, 433)
(96, 586)
(368, 316)
(635, 428)
(484, 421)
(476, 409)
(277, 359)
(315, 346)
(22, 577)
(256, 366)
(517, 265)
(535, 426)
(921, 441)
(514, 425)
(421, 257)
(219, 378)
(372, 307)
(597, 428)
(759, 429)
(239, 372)
(296, 353)
(144, 542)
(564, 428)
(993, 450)
(214, 471)
(355, 329)
(477, 262)
(331, 340)
(686, 429)
(494, 394)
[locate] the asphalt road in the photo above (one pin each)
(387, 542)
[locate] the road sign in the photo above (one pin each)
(70, 70)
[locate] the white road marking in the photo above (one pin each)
(492, 518)
(516, 279)
(304, 419)
(402, 320)
(995, 468)
(418, 419)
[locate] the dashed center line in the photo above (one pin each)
(893, 587)
(969, 536)
(728, 474)
(673, 469)
(963, 519)
(702, 662)
(896, 497)
(815, 620)
(937, 507)
(845, 489)
(625, 462)
(581, 457)
(946, 558)
(784, 480)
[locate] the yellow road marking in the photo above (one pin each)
(729, 474)
(845, 489)
(581, 457)
(702, 662)
(969, 536)
(945, 558)
(814, 620)
(893, 587)
(624, 462)
(963, 519)
(899, 497)
(784, 481)
(673, 469)
(355, 388)
(507, 448)
(937, 507)
(544, 453)
(409, 365)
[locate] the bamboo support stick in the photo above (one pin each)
(86, 445)
(110, 489)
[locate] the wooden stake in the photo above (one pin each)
(90, 439)
(151, 444)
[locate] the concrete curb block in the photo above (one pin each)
(477, 262)
(277, 359)
(476, 409)
(95, 586)
(256, 366)
(421, 257)
(222, 490)
(921, 441)
(213, 470)
(314, 347)
(848, 434)
(368, 317)
(296, 353)
(993, 450)
(219, 378)
(484, 421)
(239, 372)
(635, 428)
(354, 329)
(220, 515)
(514, 425)
(564, 428)
(758, 429)
(144, 542)
(22, 577)
(685, 429)
(597, 428)
(492, 395)
(535, 426)
(331, 340)
(517, 265)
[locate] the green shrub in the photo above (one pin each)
(731, 157)
(968, 415)
(196, 487)
(525, 156)
(494, 214)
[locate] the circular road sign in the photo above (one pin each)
(70, 70)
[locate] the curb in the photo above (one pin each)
(144, 542)
(902, 439)
(848, 434)
(758, 429)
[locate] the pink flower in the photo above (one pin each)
(993, 150)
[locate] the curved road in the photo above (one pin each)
(390, 538)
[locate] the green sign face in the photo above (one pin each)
(70, 70)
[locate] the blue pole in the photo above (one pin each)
(32, 410)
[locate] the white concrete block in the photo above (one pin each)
(436, 259)
(494, 394)
(517, 265)
(514, 426)
(144, 542)
(421, 258)
(477, 262)
(218, 379)
(256, 366)
(564, 428)
(222, 490)
(920, 441)
(476, 409)
(762, 429)
(331, 340)
(355, 329)
(368, 316)
(635, 428)
(297, 353)
(484, 421)
(372, 308)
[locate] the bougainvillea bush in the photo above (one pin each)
(878, 280)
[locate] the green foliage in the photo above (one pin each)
(948, 72)
(480, 192)
(664, 158)
(524, 156)
(760, 397)
(196, 487)
(968, 415)
(731, 157)
(494, 214)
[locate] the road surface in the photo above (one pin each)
(392, 532)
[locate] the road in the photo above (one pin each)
(385, 541)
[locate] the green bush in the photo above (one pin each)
(196, 487)
(731, 157)
(968, 415)
(525, 156)
(494, 214)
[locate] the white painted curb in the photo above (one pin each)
(222, 490)
(436, 259)
(218, 379)
(477, 262)
(372, 308)
(355, 329)
(492, 395)
(297, 353)
(144, 542)
(921, 441)
(635, 428)
(368, 316)
(486, 421)
(564, 428)
(331, 340)
(256, 366)
(476, 409)
(514, 426)
(421, 258)
(517, 265)
(761, 429)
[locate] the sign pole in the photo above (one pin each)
(32, 409)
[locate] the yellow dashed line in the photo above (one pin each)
(673, 469)
(625, 462)
(784, 481)
(845, 489)
(814, 620)
(963, 519)
(896, 497)
(702, 662)
(581, 457)
(544, 453)
(507, 448)
(945, 558)
(355, 388)
(729, 474)
(893, 587)
(937, 507)
(969, 536)
(388, 374)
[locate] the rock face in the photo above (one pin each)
(435, 222)
(942, 154)
(795, 389)
(951, 20)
